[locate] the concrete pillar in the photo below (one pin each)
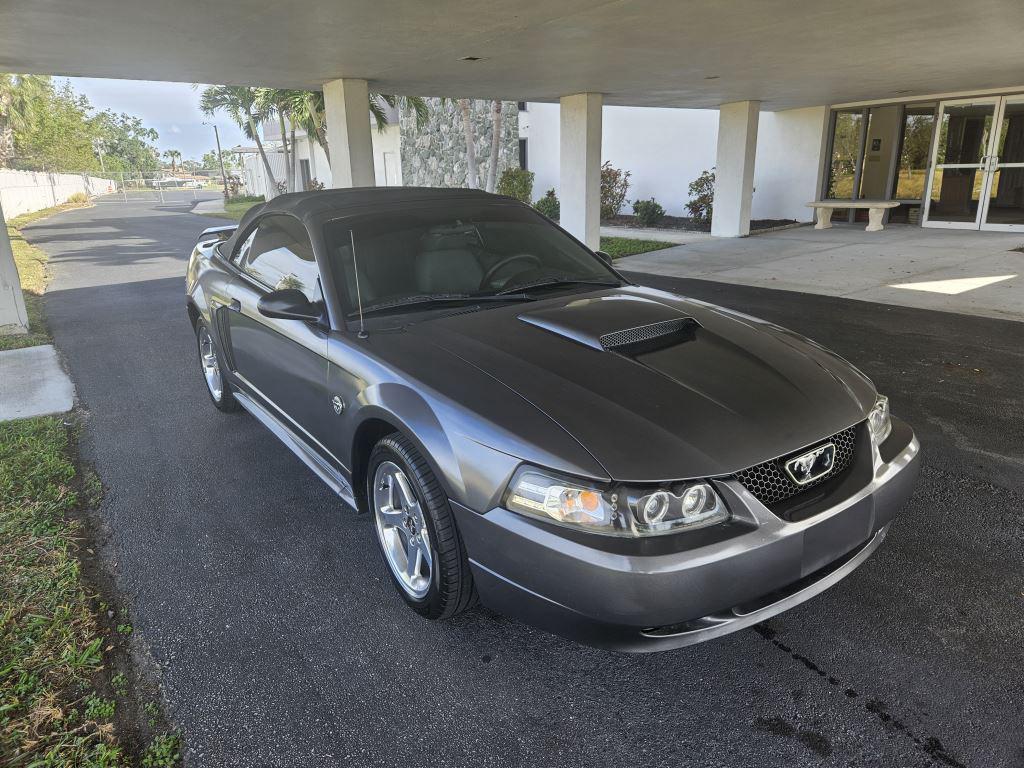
(734, 168)
(13, 317)
(347, 111)
(580, 167)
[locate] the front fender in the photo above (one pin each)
(469, 471)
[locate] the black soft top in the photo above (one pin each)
(329, 203)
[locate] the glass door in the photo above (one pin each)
(961, 169)
(1004, 198)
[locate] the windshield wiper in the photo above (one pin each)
(551, 281)
(439, 299)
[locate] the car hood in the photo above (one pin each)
(659, 387)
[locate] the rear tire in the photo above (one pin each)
(416, 531)
(209, 365)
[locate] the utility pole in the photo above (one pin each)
(220, 157)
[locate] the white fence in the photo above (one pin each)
(27, 191)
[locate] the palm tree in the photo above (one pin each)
(492, 168)
(19, 95)
(470, 132)
(174, 156)
(275, 101)
(242, 105)
(305, 109)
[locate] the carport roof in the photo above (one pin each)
(681, 53)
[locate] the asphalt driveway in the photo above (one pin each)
(280, 641)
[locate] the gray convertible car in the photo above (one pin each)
(623, 466)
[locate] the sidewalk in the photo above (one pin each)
(209, 206)
(974, 273)
(33, 383)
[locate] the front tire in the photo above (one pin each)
(416, 531)
(209, 365)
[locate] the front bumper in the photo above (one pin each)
(640, 601)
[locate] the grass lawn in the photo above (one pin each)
(69, 693)
(31, 264)
(617, 247)
(235, 209)
(61, 704)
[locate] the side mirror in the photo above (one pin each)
(604, 257)
(289, 304)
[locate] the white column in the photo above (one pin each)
(580, 167)
(13, 318)
(347, 111)
(734, 168)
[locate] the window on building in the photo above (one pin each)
(847, 131)
(915, 150)
(523, 162)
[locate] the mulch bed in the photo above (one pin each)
(688, 224)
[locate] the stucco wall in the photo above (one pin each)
(434, 155)
(786, 168)
(664, 149)
(27, 191)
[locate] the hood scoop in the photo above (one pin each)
(616, 323)
(651, 337)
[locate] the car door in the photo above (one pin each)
(281, 363)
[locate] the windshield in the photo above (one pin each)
(424, 256)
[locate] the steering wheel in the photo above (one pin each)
(505, 262)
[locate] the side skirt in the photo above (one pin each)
(335, 481)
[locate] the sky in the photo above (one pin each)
(171, 108)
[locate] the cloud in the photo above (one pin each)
(175, 129)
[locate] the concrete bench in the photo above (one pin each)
(824, 209)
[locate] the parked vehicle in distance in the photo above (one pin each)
(620, 465)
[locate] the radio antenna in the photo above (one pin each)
(359, 295)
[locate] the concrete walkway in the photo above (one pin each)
(680, 236)
(209, 206)
(970, 272)
(33, 383)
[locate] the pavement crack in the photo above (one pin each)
(930, 745)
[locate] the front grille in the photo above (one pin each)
(644, 334)
(769, 483)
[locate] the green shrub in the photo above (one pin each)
(702, 193)
(614, 186)
(549, 205)
(79, 197)
(648, 212)
(517, 183)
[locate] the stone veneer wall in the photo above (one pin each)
(434, 155)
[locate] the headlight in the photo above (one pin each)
(879, 421)
(619, 511)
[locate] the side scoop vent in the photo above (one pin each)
(647, 338)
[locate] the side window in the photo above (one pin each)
(243, 249)
(281, 256)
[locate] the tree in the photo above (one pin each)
(275, 102)
(174, 156)
(20, 96)
(127, 142)
(492, 168)
(470, 133)
(61, 134)
(241, 104)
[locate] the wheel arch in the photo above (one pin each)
(417, 422)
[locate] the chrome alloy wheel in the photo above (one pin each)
(402, 529)
(211, 368)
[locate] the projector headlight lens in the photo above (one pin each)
(879, 421)
(616, 511)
